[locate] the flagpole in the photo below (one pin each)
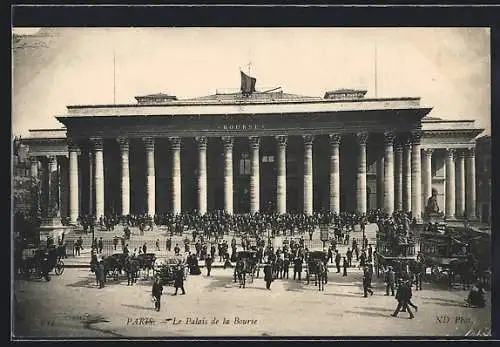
(114, 77)
(375, 69)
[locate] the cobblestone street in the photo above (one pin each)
(72, 306)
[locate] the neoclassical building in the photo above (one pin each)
(268, 151)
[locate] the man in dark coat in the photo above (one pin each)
(403, 297)
(101, 274)
(157, 292)
(268, 275)
(390, 278)
(101, 245)
(367, 280)
(177, 249)
(337, 260)
(208, 264)
(330, 254)
(179, 280)
(169, 244)
(297, 268)
(345, 265)
(286, 266)
(349, 257)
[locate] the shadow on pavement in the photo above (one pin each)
(221, 282)
(351, 295)
(444, 304)
(370, 314)
(440, 299)
(84, 283)
(388, 310)
(139, 307)
(294, 286)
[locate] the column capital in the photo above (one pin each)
(149, 142)
(362, 137)
(97, 143)
(73, 145)
(51, 158)
(428, 151)
(254, 142)
(450, 152)
(124, 143)
(281, 140)
(201, 142)
(388, 138)
(335, 139)
(308, 139)
(415, 137)
(175, 142)
(228, 142)
(407, 142)
(470, 152)
(461, 153)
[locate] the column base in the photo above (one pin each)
(52, 227)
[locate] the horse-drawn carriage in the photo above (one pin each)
(42, 262)
(117, 263)
(166, 271)
(316, 268)
(247, 262)
(456, 254)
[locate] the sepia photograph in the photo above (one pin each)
(250, 182)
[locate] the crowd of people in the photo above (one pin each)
(219, 223)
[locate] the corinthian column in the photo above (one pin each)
(427, 172)
(416, 178)
(202, 174)
(450, 184)
(361, 173)
(471, 183)
(335, 173)
(54, 204)
(389, 173)
(34, 167)
(175, 142)
(228, 174)
(281, 179)
(151, 184)
(125, 177)
(461, 184)
(398, 177)
(254, 177)
(74, 208)
(97, 146)
(407, 176)
(308, 174)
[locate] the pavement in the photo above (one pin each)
(137, 240)
(71, 305)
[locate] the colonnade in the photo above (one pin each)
(407, 175)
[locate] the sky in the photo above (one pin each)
(449, 68)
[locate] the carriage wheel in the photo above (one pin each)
(59, 269)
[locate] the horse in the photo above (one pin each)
(320, 274)
(464, 270)
(146, 262)
(240, 272)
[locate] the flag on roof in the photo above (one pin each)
(247, 84)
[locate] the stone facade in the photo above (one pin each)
(260, 153)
